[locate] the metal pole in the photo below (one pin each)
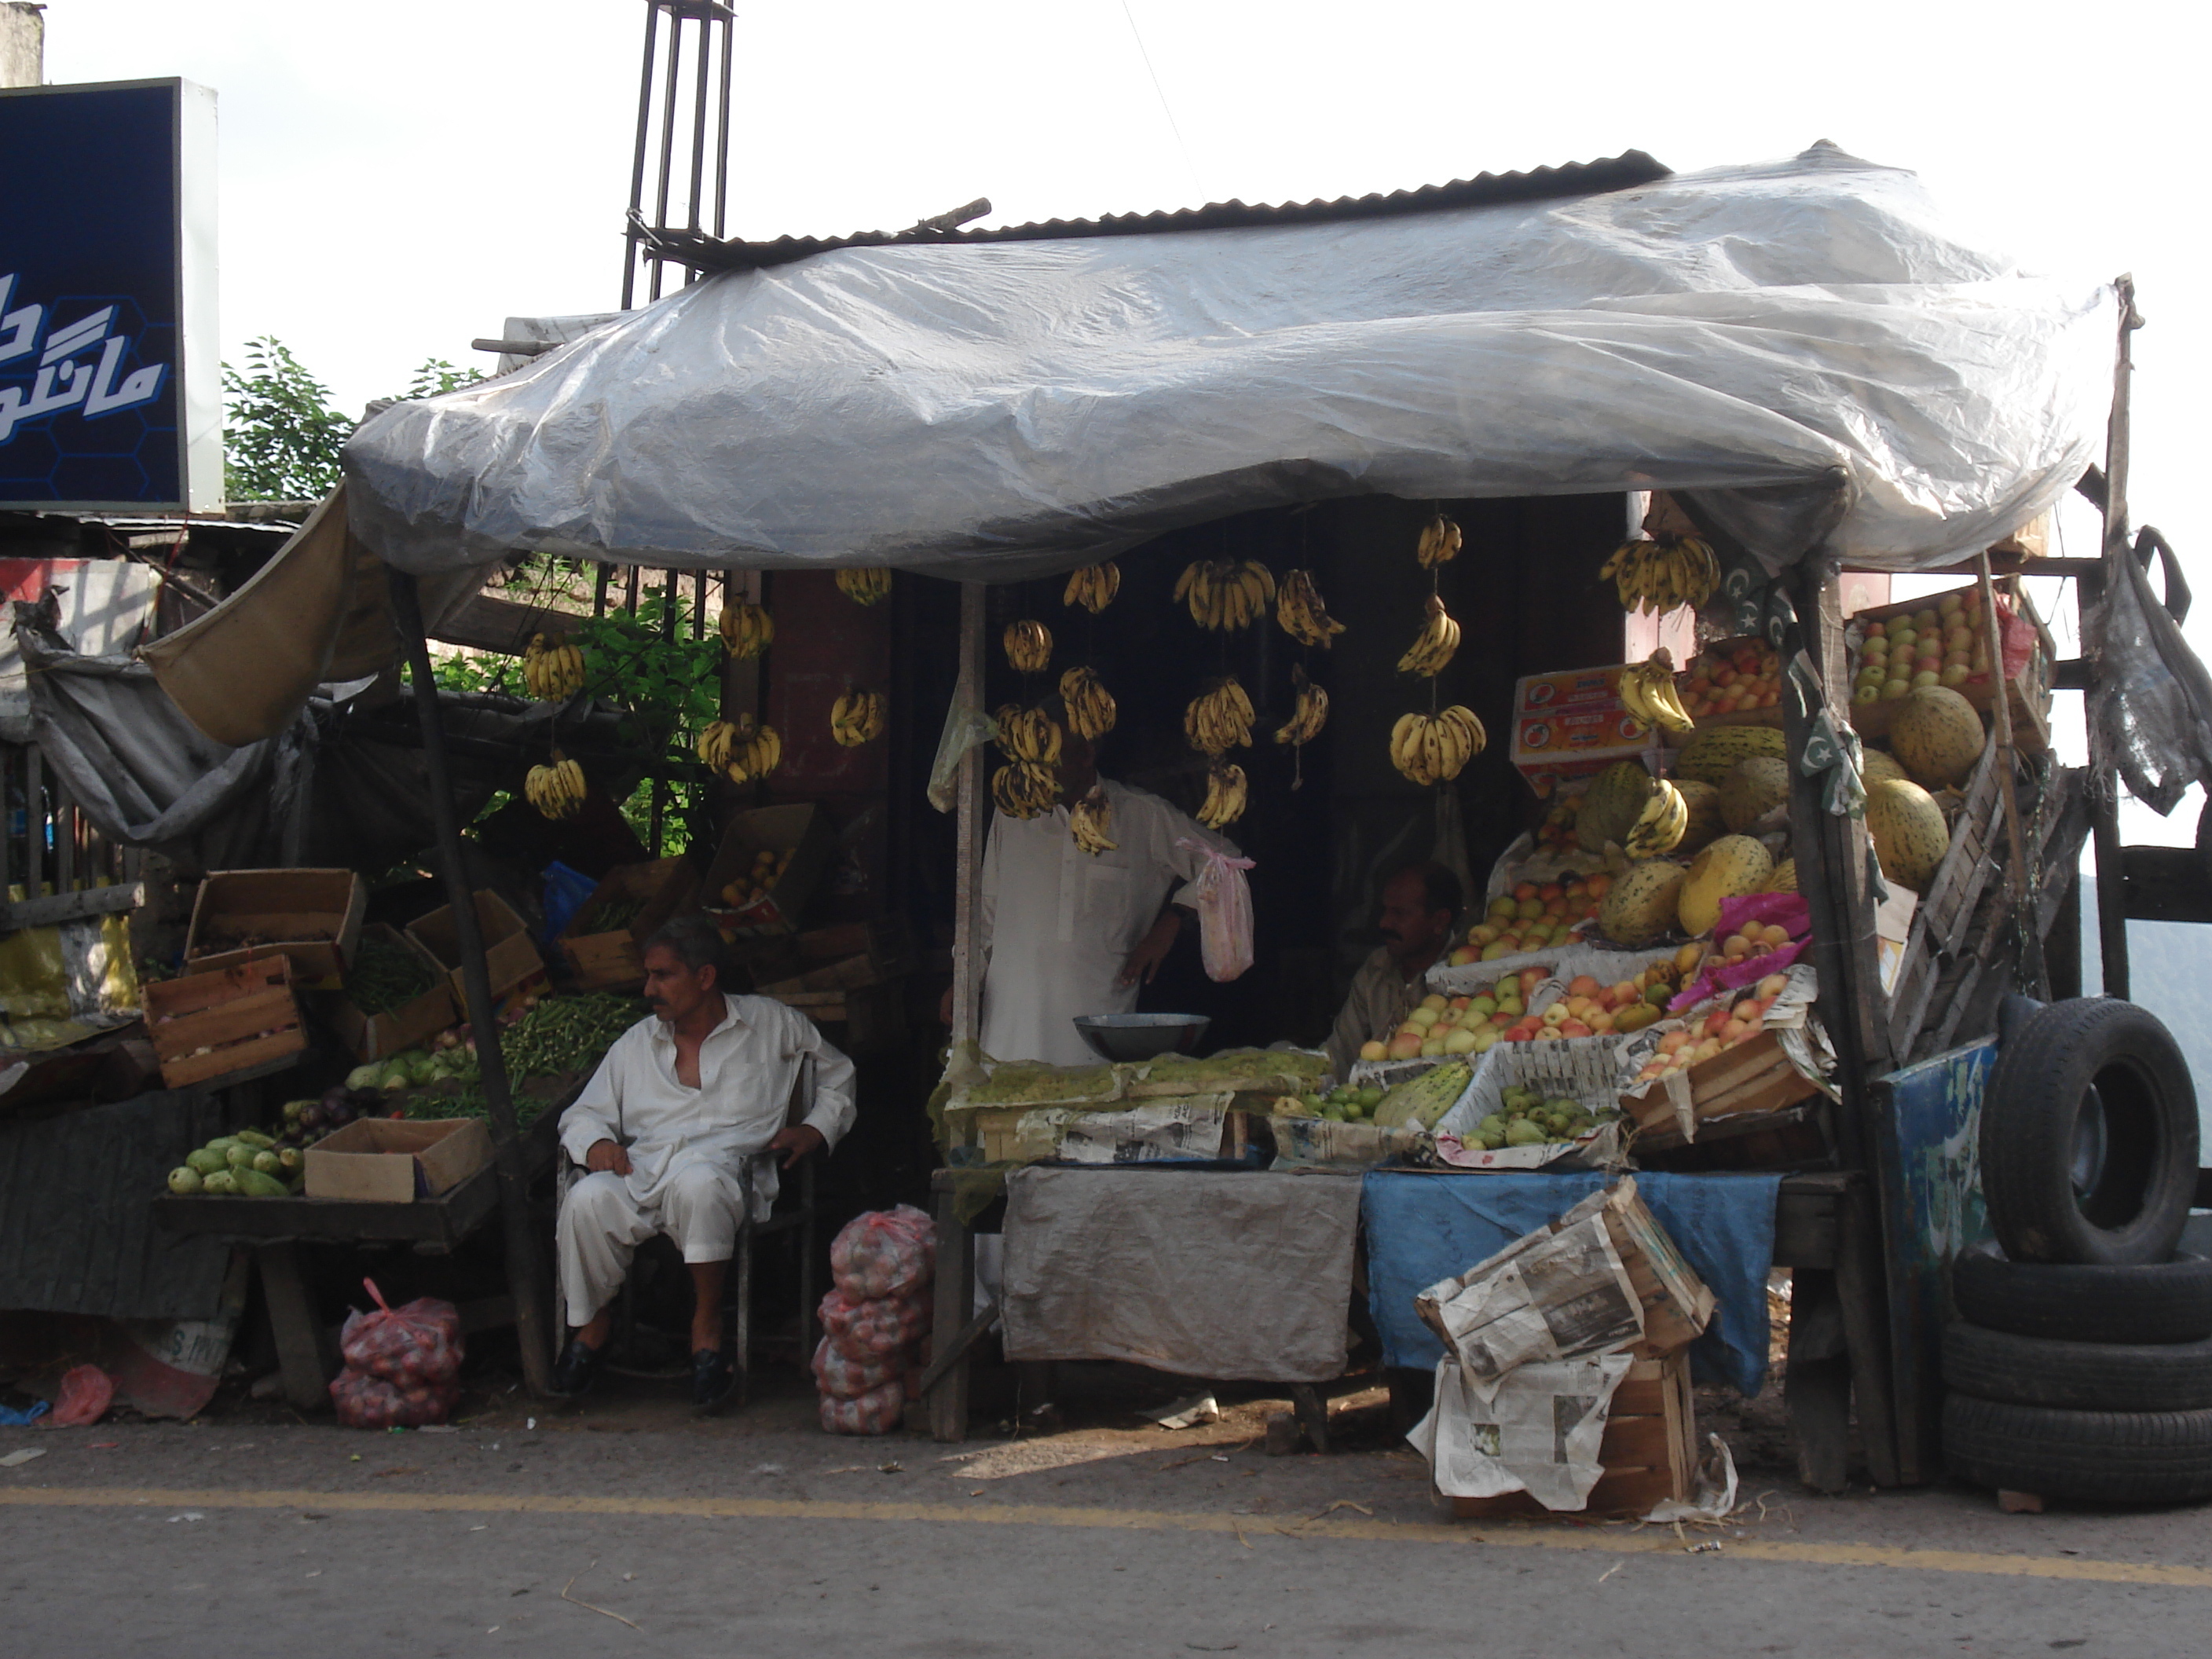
(722, 136)
(968, 892)
(667, 135)
(637, 161)
(523, 1265)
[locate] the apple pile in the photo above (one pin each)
(1737, 675)
(1557, 832)
(1532, 917)
(1444, 1026)
(1754, 939)
(1737, 1021)
(1941, 645)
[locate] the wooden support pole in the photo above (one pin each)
(2031, 941)
(524, 1263)
(2105, 784)
(974, 821)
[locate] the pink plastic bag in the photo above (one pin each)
(877, 1412)
(884, 1253)
(420, 1343)
(864, 1332)
(85, 1396)
(1787, 910)
(841, 1378)
(370, 1402)
(1224, 912)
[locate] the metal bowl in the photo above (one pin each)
(1140, 1037)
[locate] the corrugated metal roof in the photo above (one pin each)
(81, 1236)
(1622, 171)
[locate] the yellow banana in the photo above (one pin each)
(1094, 586)
(857, 718)
(1299, 609)
(1439, 542)
(1088, 821)
(1028, 647)
(1090, 710)
(746, 630)
(1024, 791)
(1308, 713)
(865, 586)
(1226, 791)
(715, 742)
(1439, 640)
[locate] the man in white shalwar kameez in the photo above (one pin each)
(661, 1129)
(1067, 932)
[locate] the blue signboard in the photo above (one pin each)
(110, 384)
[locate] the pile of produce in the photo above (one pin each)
(866, 1364)
(403, 1364)
(544, 1037)
(246, 1165)
(1022, 1083)
(1422, 1101)
(1944, 643)
(1730, 678)
(1232, 1069)
(386, 974)
(1342, 1104)
(1525, 1118)
(758, 881)
(1533, 918)
(1739, 1018)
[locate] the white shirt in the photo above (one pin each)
(1058, 923)
(748, 1066)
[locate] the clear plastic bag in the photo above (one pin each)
(412, 1346)
(878, 1411)
(884, 1253)
(369, 1402)
(868, 1331)
(841, 1377)
(1224, 912)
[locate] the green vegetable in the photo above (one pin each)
(222, 1143)
(422, 1067)
(255, 1139)
(396, 1076)
(251, 1183)
(268, 1164)
(290, 1158)
(239, 1155)
(206, 1161)
(224, 1181)
(1524, 1134)
(185, 1179)
(370, 1076)
(386, 975)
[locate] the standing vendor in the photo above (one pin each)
(1068, 933)
(1420, 912)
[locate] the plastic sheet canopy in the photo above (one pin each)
(1800, 344)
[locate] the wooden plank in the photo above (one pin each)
(69, 907)
(1816, 1388)
(433, 1224)
(238, 1057)
(968, 888)
(232, 1021)
(1804, 1230)
(955, 1306)
(304, 1356)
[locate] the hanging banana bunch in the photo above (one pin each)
(1432, 748)
(1663, 572)
(1090, 820)
(752, 751)
(1225, 594)
(557, 790)
(1226, 791)
(1094, 586)
(746, 630)
(1308, 713)
(1028, 647)
(551, 669)
(1659, 828)
(857, 718)
(1299, 609)
(1090, 710)
(1647, 691)
(1439, 542)
(865, 586)
(1219, 718)
(1031, 736)
(1438, 640)
(713, 745)
(1024, 791)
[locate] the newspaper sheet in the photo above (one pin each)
(1540, 1431)
(1189, 1127)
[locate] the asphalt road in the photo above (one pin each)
(618, 1531)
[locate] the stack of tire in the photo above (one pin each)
(2080, 1364)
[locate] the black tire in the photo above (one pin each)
(2166, 1303)
(2098, 1457)
(2088, 1137)
(2095, 1377)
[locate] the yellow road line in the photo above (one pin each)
(1610, 1542)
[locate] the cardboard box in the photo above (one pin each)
(1571, 724)
(312, 916)
(1892, 927)
(607, 958)
(1650, 1451)
(804, 831)
(381, 1160)
(512, 960)
(380, 1036)
(243, 1016)
(1753, 1079)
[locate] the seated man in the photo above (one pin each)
(1420, 909)
(681, 1097)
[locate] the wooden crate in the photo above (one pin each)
(608, 958)
(1945, 911)
(509, 957)
(1650, 1451)
(1796, 1139)
(804, 831)
(244, 1017)
(1752, 1079)
(312, 916)
(379, 1037)
(2027, 692)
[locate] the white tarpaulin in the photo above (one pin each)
(1801, 344)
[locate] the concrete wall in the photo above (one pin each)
(22, 44)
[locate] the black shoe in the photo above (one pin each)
(575, 1370)
(713, 1380)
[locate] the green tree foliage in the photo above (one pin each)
(282, 436)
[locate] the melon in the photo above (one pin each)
(1878, 766)
(1616, 798)
(1639, 907)
(1707, 824)
(1910, 836)
(1784, 878)
(1713, 751)
(1731, 866)
(1754, 788)
(1937, 737)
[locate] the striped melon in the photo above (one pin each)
(1784, 878)
(1712, 751)
(1937, 737)
(1878, 766)
(1754, 788)
(1732, 866)
(1638, 909)
(1910, 836)
(1706, 823)
(1614, 801)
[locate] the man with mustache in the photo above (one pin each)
(1420, 911)
(661, 1127)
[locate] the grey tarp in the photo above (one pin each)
(1232, 1276)
(1803, 345)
